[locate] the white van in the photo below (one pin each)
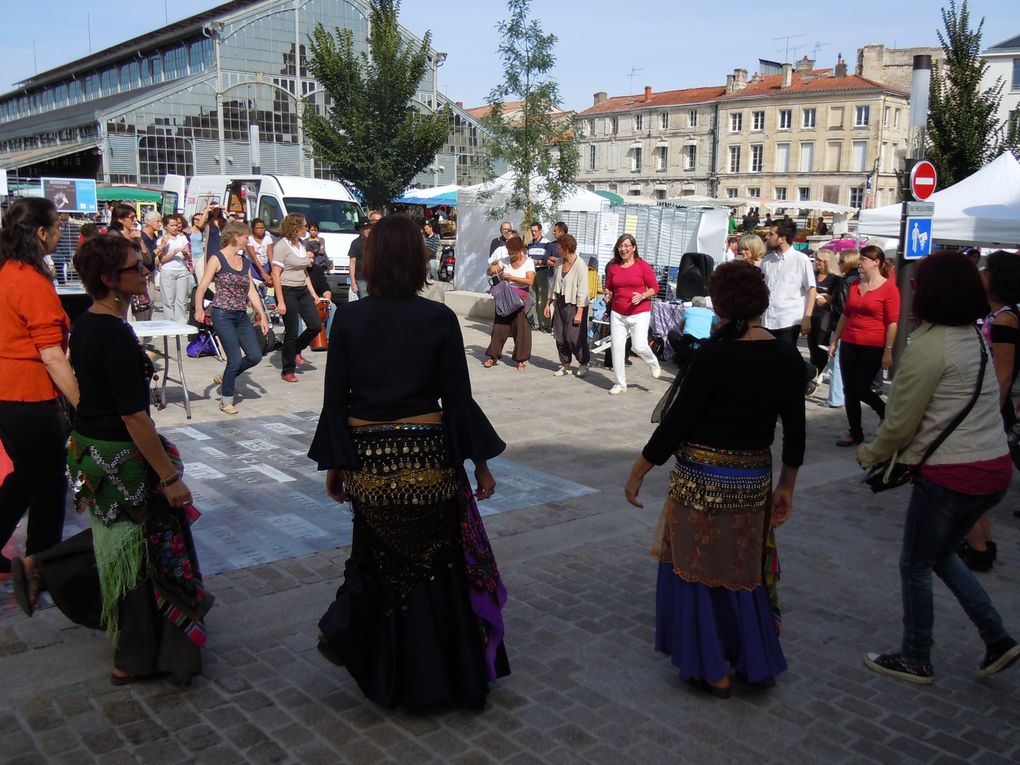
(271, 198)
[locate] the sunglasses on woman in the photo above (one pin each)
(138, 266)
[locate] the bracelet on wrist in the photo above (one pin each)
(170, 480)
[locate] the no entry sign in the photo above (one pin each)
(923, 180)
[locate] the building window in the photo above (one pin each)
(638, 122)
(754, 191)
(734, 159)
(635, 160)
(807, 157)
(782, 157)
(757, 158)
(896, 118)
(779, 192)
(810, 115)
(661, 157)
(803, 193)
(859, 162)
(885, 117)
(731, 193)
(857, 196)
(591, 127)
(757, 120)
(614, 125)
(835, 117)
(692, 118)
(690, 157)
(664, 120)
(736, 122)
(162, 155)
(863, 116)
(1015, 85)
(785, 119)
(593, 157)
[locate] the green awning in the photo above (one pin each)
(127, 194)
(614, 199)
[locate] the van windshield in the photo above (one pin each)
(331, 215)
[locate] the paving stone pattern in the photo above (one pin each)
(587, 685)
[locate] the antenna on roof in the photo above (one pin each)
(630, 88)
(816, 47)
(786, 51)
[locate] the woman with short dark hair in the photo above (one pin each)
(716, 601)
(34, 373)
(417, 621)
(943, 373)
(568, 308)
(134, 571)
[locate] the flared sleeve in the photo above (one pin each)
(469, 434)
(332, 446)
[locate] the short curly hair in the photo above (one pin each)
(290, 228)
(738, 291)
(103, 255)
(1002, 271)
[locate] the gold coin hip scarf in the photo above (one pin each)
(401, 465)
(713, 480)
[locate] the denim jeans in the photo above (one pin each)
(237, 333)
(836, 381)
(937, 520)
(300, 307)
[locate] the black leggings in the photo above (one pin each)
(299, 306)
(860, 364)
(35, 437)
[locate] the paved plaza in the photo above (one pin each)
(587, 685)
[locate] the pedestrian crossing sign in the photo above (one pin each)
(918, 243)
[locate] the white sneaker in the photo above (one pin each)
(656, 369)
(616, 390)
(561, 372)
(582, 371)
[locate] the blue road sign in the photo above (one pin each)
(918, 241)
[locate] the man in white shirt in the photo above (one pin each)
(791, 282)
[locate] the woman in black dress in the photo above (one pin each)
(417, 621)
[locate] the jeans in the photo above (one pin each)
(300, 307)
(237, 333)
(636, 327)
(937, 521)
(836, 381)
(176, 287)
(859, 364)
(34, 434)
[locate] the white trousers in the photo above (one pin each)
(175, 287)
(636, 327)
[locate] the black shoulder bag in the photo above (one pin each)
(892, 474)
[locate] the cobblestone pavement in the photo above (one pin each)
(587, 685)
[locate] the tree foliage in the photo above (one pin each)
(371, 136)
(536, 142)
(964, 132)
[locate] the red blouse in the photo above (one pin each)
(624, 283)
(869, 315)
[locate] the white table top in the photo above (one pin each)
(162, 329)
(71, 289)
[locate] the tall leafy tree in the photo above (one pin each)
(534, 138)
(371, 136)
(964, 132)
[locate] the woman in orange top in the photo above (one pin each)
(34, 372)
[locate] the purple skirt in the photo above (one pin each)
(706, 630)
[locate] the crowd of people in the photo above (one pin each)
(418, 619)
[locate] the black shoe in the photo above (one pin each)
(977, 560)
(993, 549)
(998, 656)
(850, 441)
(896, 665)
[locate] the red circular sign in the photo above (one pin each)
(923, 180)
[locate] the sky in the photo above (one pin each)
(602, 45)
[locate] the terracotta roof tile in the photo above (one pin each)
(480, 112)
(815, 81)
(663, 98)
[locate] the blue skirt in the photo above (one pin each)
(706, 630)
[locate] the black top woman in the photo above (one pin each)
(716, 603)
(417, 621)
(134, 571)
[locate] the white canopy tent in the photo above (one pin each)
(982, 209)
(475, 229)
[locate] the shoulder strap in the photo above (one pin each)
(970, 404)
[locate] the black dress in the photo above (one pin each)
(417, 621)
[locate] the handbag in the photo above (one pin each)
(507, 298)
(892, 474)
(203, 345)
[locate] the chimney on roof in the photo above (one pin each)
(840, 67)
(601, 97)
(648, 92)
(787, 76)
(460, 104)
(737, 81)
(805, 65)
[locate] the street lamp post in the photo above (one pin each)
(437, 61)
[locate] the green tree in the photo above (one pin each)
(371, 136)
(535, 139)
(964, 132)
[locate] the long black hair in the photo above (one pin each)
(19, 238)
(119, 212)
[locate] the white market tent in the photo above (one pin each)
(982, 209)
(475, 229)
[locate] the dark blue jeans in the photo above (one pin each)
(237, 334)
(937, 520)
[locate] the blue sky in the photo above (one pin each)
(666, 44)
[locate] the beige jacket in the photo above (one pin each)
(573, 286)
(934, 382)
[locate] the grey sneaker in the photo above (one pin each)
(898, 666)
(561, 372)
(582, 371)
(998, 656)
